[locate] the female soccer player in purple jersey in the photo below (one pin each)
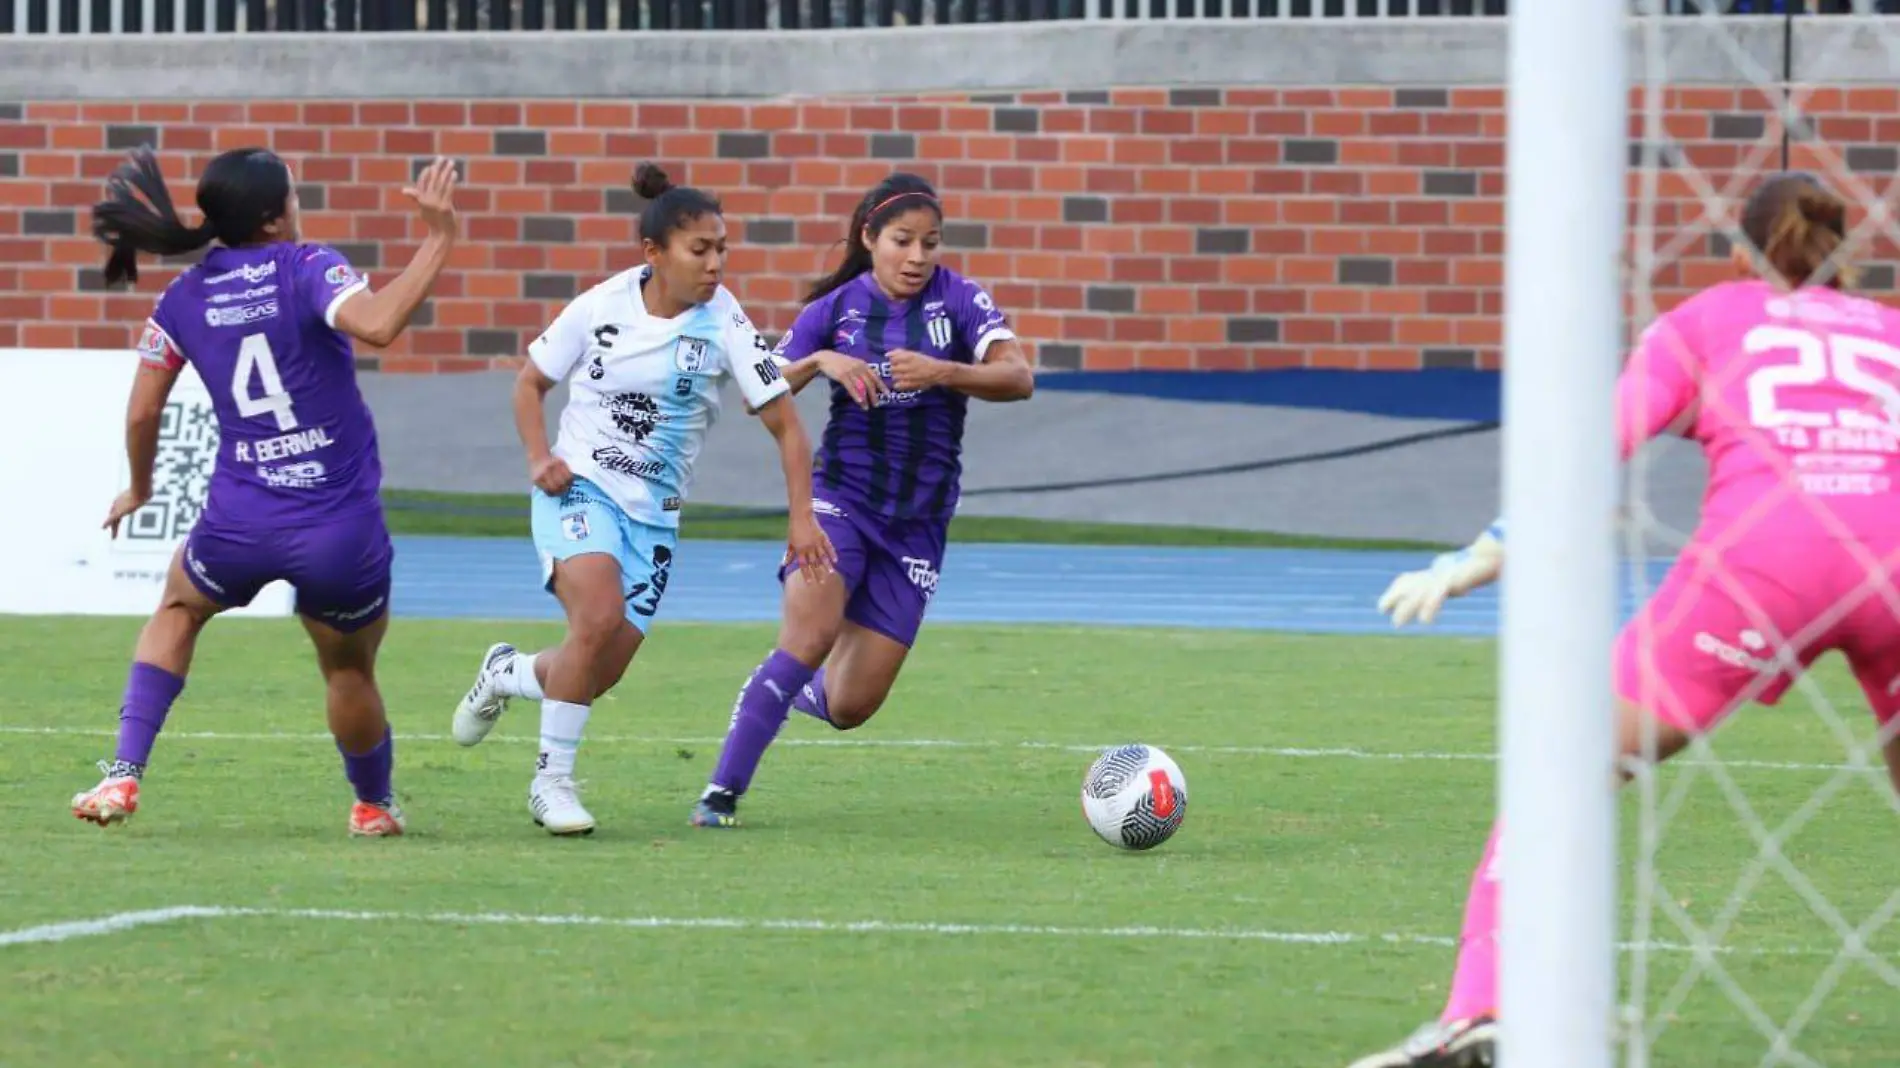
(906, 343)
(266, 322)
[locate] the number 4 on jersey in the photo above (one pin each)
(255, 359)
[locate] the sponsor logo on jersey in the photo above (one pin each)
(574, 526)
(634, 414)
(253, 293)
(340, 275)
(612, 458)
(670, 504)
(307, 475)
(242, 315)
(689, 355)
(251, 273)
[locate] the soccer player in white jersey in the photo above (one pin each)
(644, 354)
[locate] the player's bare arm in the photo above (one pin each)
(143, 413)
(857, 377)
(807, 541)
(380, 318)
(1003, 374)
(548, 471)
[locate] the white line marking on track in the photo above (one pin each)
(1286, 752)
(125, 921)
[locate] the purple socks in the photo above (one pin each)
(811, 699)
(763, 706)
(369, 773)
(149, 693)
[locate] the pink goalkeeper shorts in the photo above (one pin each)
(1711, 637)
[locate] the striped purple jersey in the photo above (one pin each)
(903, 458)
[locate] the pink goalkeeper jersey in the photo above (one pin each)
(1795, 400)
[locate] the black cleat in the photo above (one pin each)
(1458, 1044)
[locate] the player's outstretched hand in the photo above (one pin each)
(1416, 595)
(434, 196)
(808, 545)
(1420, 594)
(128, 502)
(911, 371)
(858, 378)
(551, 474)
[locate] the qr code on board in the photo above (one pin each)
(187, 453)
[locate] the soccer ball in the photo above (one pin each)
(1135, 797)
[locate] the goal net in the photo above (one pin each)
(1759, 879)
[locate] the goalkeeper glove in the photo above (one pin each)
(1420, 594)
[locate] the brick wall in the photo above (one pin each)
(1193, 228)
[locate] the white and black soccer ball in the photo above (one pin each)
(1135, 797)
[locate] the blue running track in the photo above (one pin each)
(1319, 591)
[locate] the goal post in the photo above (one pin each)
(1566, 158)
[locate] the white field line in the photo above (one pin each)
(126, 921)
(1284, 752)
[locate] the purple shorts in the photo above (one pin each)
(890, 567)
(339, 569)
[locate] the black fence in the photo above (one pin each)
(356, 16)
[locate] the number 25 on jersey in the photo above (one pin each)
(1842, 361)
(255, 361)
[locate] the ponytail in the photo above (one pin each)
(857, 255)
(1800, 227)
(137, 216)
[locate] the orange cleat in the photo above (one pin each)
(112, 801)
(376, 821)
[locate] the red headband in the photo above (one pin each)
(888, 201)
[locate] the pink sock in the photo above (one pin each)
(1474, 986)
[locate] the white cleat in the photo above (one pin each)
(556, 806)
(484, 703)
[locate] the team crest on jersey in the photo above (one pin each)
(939, 331)
(689, 355)
(340, 275)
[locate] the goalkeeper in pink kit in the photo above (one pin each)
(1792, 388)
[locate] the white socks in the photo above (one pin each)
(561, 727)
(519, 680)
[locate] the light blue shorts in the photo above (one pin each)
(586, 520)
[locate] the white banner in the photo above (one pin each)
(63, 443)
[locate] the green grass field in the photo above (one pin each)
(1019, 953)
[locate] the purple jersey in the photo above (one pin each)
(296, 442)
(903, 458)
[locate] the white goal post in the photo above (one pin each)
(1566, 161)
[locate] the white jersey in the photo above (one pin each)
(643, 391)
